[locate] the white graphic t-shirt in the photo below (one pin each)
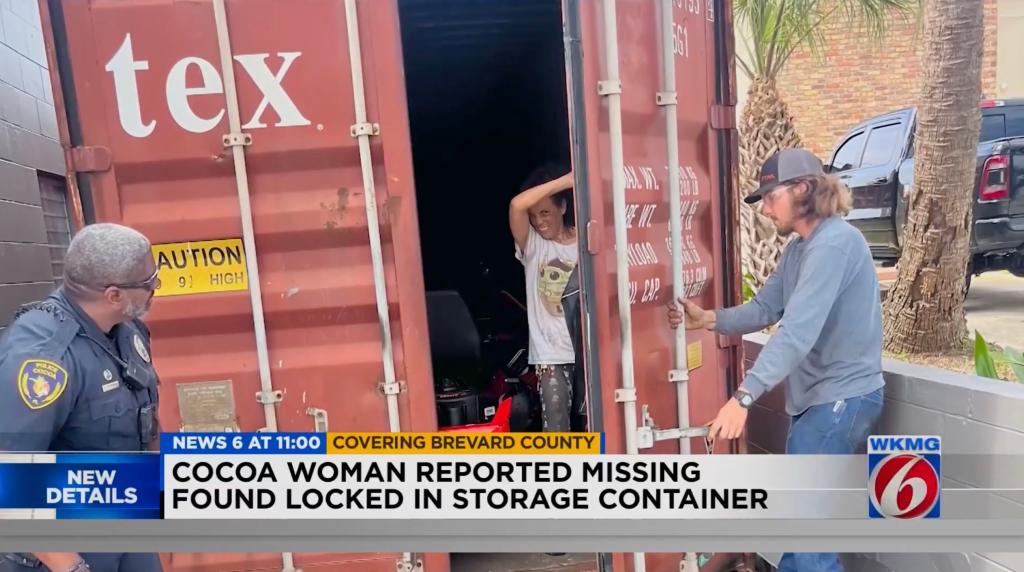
(548, 265)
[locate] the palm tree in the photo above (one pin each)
(925, 307)
(775, 29)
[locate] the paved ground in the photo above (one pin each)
(995, 307)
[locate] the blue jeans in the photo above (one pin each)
(838, 428)
(103, 562)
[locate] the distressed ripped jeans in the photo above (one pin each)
(837, 428)
(555, 385)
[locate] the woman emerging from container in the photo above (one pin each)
(546, 245)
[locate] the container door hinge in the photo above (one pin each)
(625, 395)
(726, 342)
(237, 140)
(269, 397)
(648, 433)
(408, 564)
(608, 87)
(369, 129)
(723, 117)
(393, 388)
(319, 419)
(678, 375)
(88, 159)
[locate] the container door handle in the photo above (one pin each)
(319, 419)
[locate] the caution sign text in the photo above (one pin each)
(201, 267)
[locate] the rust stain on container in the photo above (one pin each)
(337, 209)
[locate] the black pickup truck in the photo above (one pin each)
(876, 160)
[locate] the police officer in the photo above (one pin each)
(76, 374)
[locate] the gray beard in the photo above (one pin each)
(134, 311)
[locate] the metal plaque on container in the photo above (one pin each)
(207, 406)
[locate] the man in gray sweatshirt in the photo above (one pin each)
(825, 297)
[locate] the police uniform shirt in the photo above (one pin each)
(67, 386)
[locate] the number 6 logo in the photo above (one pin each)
(904, 486)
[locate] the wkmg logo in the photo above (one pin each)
(904, 476)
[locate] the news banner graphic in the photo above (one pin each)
(82, 485)
(510, 477)
(425, 476)
(400, 476)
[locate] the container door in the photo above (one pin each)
(623, 100)
(269, 322)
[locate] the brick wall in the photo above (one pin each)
(33, 215)
(855, 78)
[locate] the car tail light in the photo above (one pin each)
(995, 179)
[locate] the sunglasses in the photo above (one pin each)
(772, 195)
(150, 284)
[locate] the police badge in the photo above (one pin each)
(140, 347)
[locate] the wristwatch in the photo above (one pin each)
(745, 399)
(80, 566)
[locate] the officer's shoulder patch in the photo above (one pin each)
(41, 382)
(41, 334)
(42, 306)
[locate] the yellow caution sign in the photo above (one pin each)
(201, 267)
(694, 356)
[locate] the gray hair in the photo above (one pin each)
(103, 254)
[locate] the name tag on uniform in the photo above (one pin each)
(111, 386)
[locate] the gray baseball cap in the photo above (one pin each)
(782, 167)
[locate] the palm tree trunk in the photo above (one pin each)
(925, 308)
(765, 127)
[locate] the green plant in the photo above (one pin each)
(777, 28)
(768, 34)
(1015, 360)
(748, 287)
(984, 365)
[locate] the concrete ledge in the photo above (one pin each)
(990, 401)
(973, 415)
(881, 562)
